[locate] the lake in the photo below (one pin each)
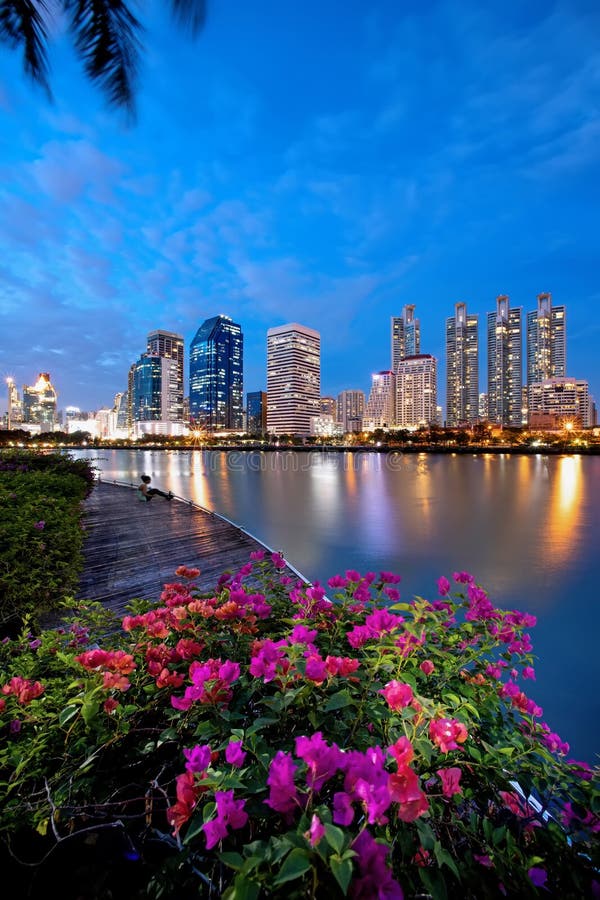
(526, 527)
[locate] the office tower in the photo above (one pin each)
(39, 403)
(170, 345)
(546, 341)
(293, 378)
(256, 412)
(462, 367)
(350, 410)
(14, 407)
(216, 375)
(328, 406)
(556, 401)
(380, 411)
(416, 391)
(505, 364)
(152, 377)
(406, 336)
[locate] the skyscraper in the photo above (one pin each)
(546, 341)
(462, 367)
(406, 336)
(152, 375)
(350, 410)
(505, 363)
(39, 403)
(170, 346)
(256, 412)
(216, 375)
(293, 378)
(380, 411)
(416, 391)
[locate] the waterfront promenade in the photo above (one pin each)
(132, 549)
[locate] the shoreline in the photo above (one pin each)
(472, 450)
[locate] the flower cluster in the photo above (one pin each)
(304, 744)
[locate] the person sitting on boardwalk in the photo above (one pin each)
(146, 493)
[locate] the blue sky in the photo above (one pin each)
(316, 161)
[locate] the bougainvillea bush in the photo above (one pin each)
(273, 739)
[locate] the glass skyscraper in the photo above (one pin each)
(505, 364)
(216, 375)
(406, 336)
(256, 412)
(462, 367)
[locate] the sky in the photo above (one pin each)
(316, 162)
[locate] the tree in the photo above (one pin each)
(106, 35)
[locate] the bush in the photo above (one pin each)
(263, 740)
(40, 533)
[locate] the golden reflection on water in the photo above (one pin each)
(565, 506)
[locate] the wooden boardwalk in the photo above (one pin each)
(132, 548)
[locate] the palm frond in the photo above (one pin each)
(106, 35)
(189, 13)
(22, 24)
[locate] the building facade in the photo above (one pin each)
(350, 410)
(546, 341)
(380, 409)
(557, 401)
(416, 391)
(405, 336)
(216, 375)
(169, 345)
(256, 412)
(462, 367)
(293, 378)
(39, 403)
(505, 363)
(328, 406)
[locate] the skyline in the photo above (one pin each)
(297, 165)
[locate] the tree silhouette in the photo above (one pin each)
(105, 33)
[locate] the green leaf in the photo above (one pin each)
(443, 858)
(426, 835)
(338, 701)
(342, 872)
(242, 889)
(434, 882)
(194, 828)
(334, 837)
(67, 714)
(296, 864)
(233, 860)
(89, 710)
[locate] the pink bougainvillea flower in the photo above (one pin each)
(397, 694)
(278, 560)
(283, 794)
(39, 525)
(443, 586)
(257, 555)
(483, 859)
(187, 572)
(528, 672)
(187, 796)
(450, 779)
(23, 690)
(374, 878)
(462, 577)
(234, 754)
(322, 760)
(447, 734)
(402, 751)
(198, 758)
(315, 832)
(427, 667)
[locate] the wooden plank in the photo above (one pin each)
(132, 548)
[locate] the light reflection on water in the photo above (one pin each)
(526, 526)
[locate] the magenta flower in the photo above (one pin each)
(538, 876)
(230, 813)
(278, 560)
(443, 586)
(528, 672)
(450, 781)
(338, 581)
(234, 754)
(427, 667)
(302, 635)
(447, 734)
(402, 751)
(343, 812)
(462, 577)
(257, 554)
(198, 758)
(397, 694)
(374, 878)
(389, 578)
(39, 525)
(321, 759)
(353, 576)
(283, 794)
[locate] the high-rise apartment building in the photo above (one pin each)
(256, 412)
(14, 407)
(380, 411)
(170, 346)
(39, 403)
(546, 341)
(350, 410)
(293, 378)
(462, 367)
(216, 375)
(406, 336)
(416, 391)
(505, 363)
(328, 406)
